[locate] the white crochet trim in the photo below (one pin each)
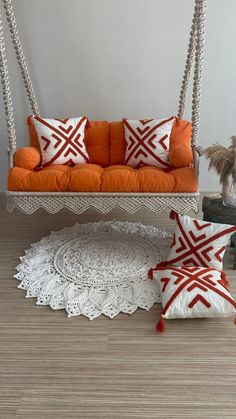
(95, 268)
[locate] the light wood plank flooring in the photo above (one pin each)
(55, 367)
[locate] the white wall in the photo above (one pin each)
(115, 58)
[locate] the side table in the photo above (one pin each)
(214, 211)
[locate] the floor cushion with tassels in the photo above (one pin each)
(193, 292)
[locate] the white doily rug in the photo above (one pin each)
(95, 268)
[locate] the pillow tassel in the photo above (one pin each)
(173, 215)
(225, 279)
(160, 327)
(159, 265)
(150, 274)
(235, 322)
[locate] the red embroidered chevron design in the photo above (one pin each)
(197, 239)
(165, 281)
(179, 276)
(63, 121)
(206, 252)
(220, 253)
(199, 243)
(173, 241)
(47, 141)
(201, 227)
(197, 299)
(66, 130)
(182, 245)
(147, 142)
(145, 121)
(193, 286)
(62, 140)
(162, 141)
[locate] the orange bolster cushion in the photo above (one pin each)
(27, 158)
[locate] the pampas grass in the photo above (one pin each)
(223, 160)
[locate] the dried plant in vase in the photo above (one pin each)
(223, 160)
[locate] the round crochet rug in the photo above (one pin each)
(95, 268)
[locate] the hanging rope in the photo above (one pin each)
(7, 97)
(188, 65)
(197, 78)
(195, 55)
(20, 56)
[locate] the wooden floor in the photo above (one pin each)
(55, 367)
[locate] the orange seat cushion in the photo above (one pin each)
(152, 179)
(185, 179)
(180, 136)
(56, 178)
(120, 179)
(96, 140)
(148, 179)
(85, 178)
(93, 178)
(50, 179)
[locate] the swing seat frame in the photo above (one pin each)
(78, 202)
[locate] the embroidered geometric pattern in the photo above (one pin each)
(147, 142)
(199, 243)
(61, 140)
(194, 292)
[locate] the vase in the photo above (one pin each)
(229, 193)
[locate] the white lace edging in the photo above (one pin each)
(95, 268)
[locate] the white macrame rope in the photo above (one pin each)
(7, 97)
(195, 54)
(20, 56)
(197, 78)
(188, 65)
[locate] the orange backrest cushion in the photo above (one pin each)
(96, 140)
(117, 143)
(34, 142)
(181, 154)
(180, 135)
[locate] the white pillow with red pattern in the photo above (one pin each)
(198, 243)
(191, 292)
(62, 140)
(148, 142)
